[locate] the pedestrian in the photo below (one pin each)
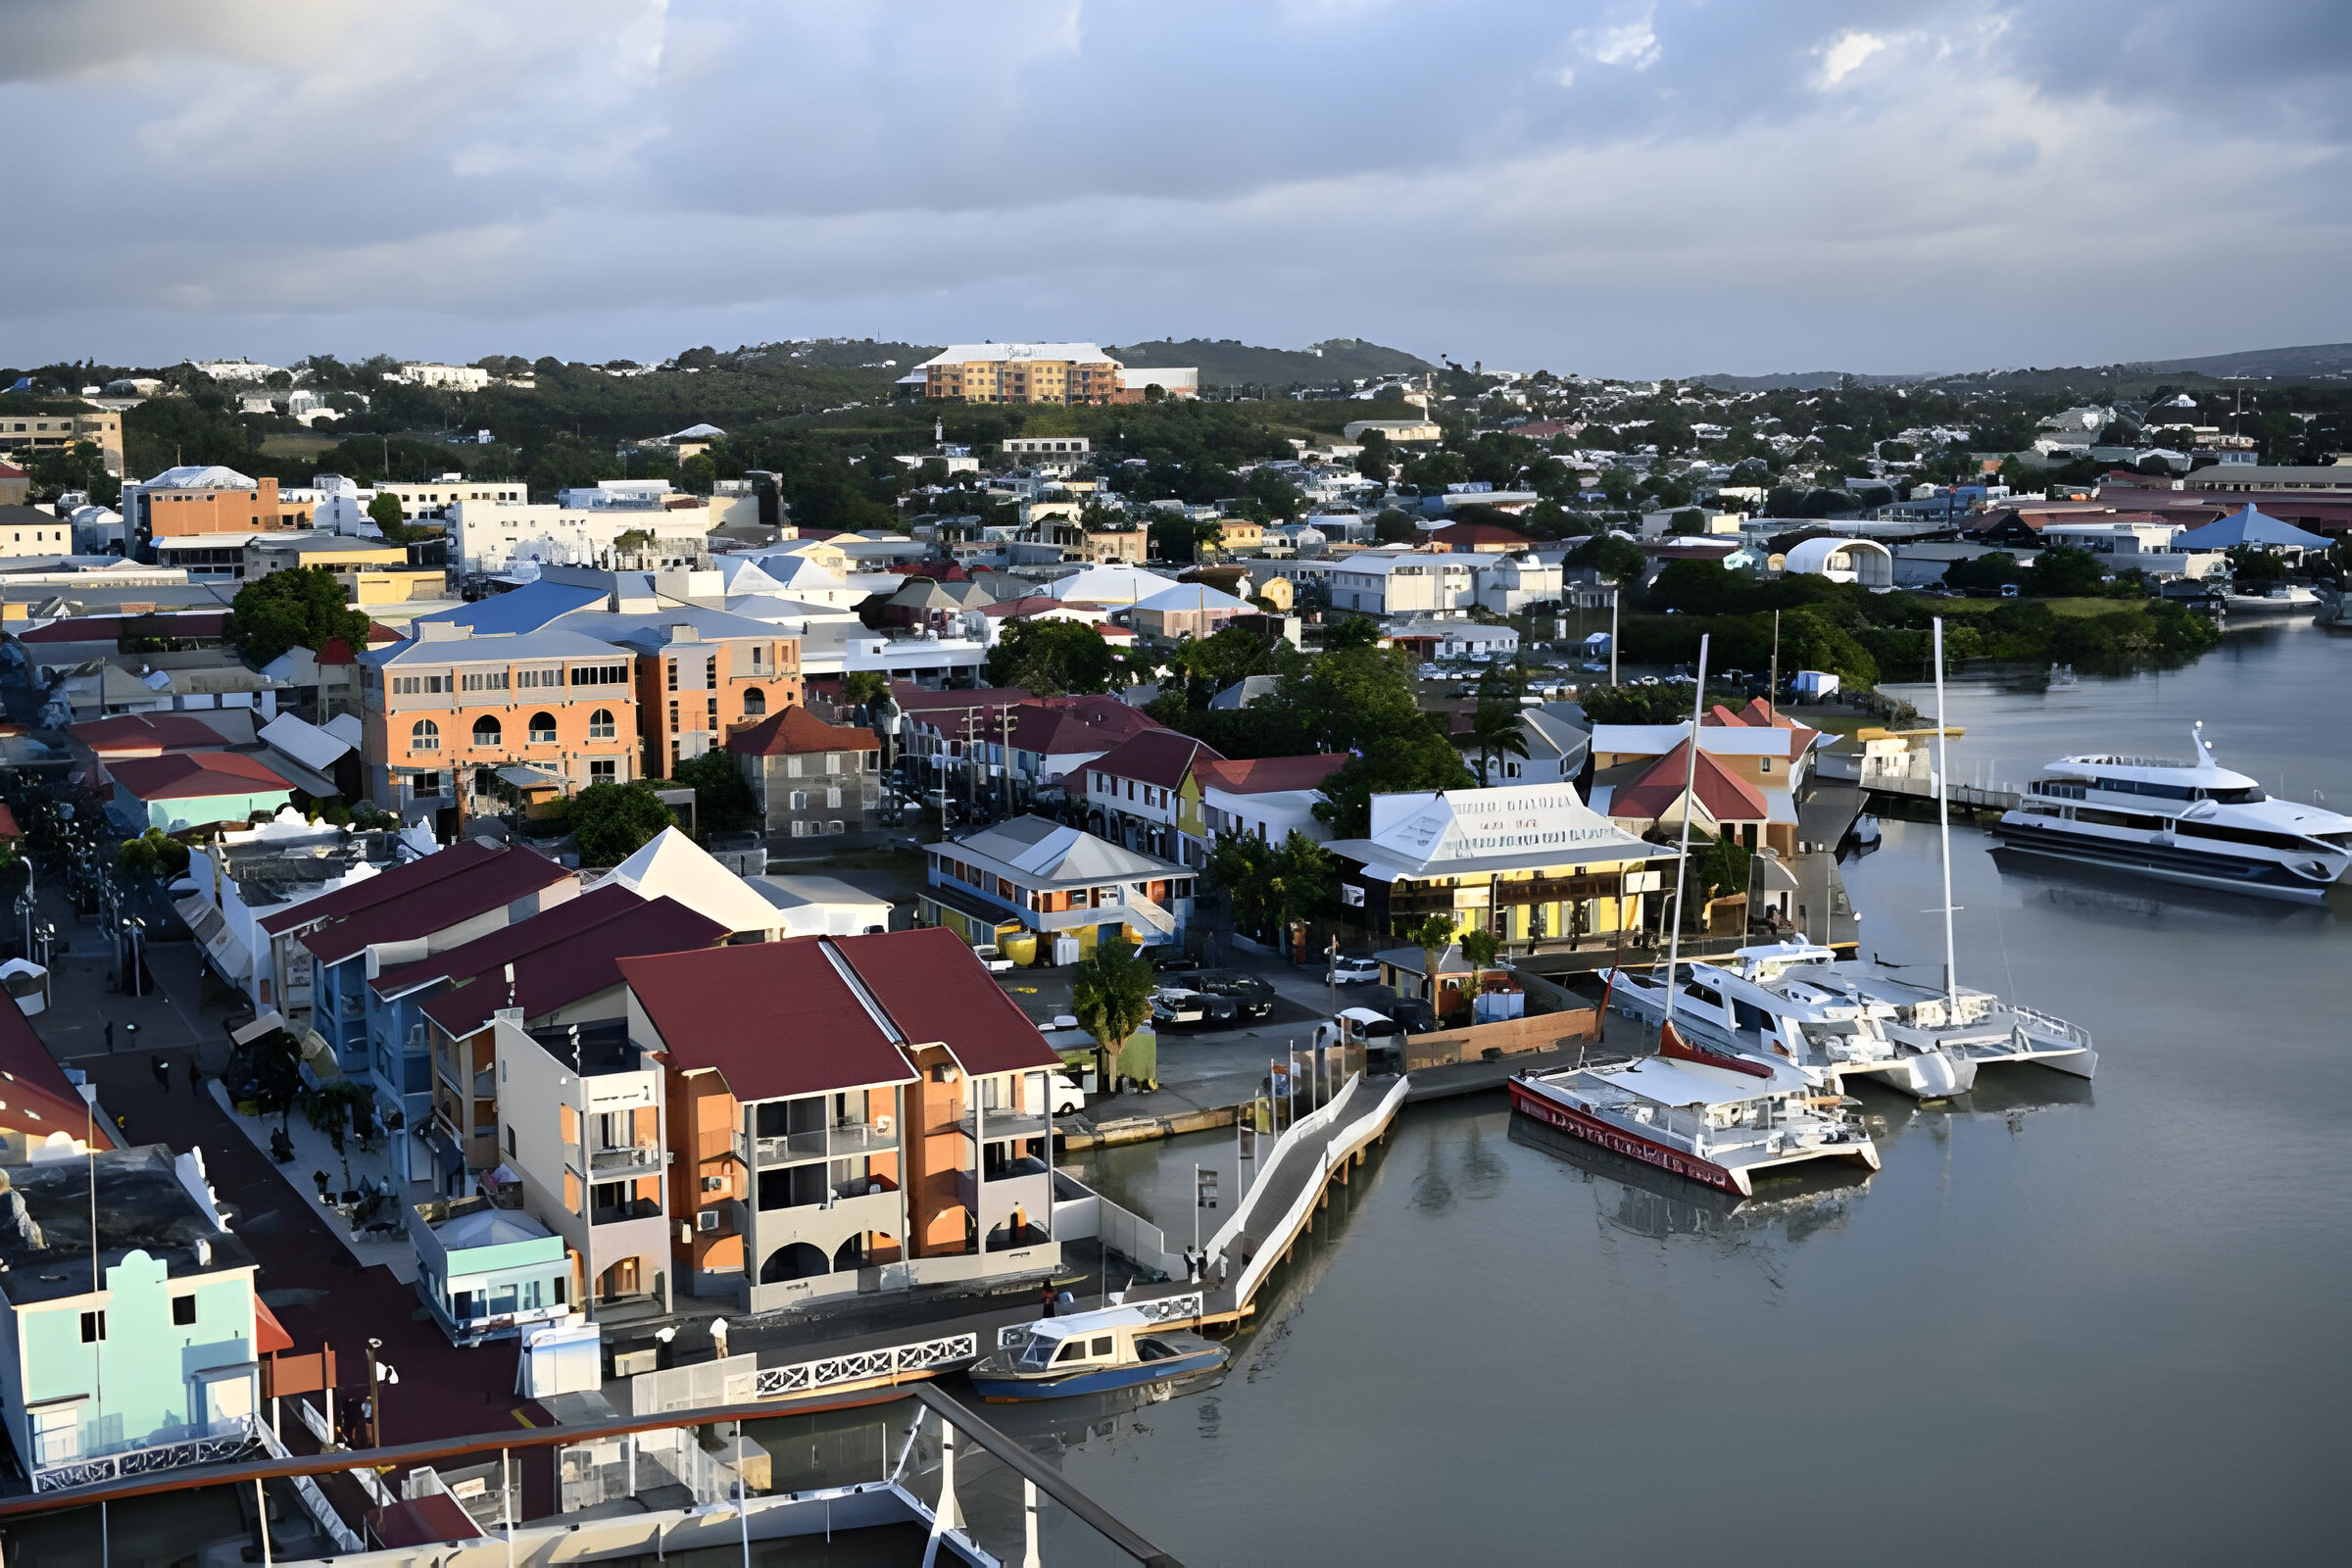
(162, 1068)
(195, 1075)
(718, 1337)
(110, 1037)
(1048, 1303)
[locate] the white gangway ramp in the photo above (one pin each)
(1290, 1181)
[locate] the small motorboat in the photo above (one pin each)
(2063, 679)
(1866, 831)
(1093, 1353)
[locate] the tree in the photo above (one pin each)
(1050, 656)
(862, 686)
(1271, 885)
(153, 853)
(1433, 936)
(339, 1108)
(1992, 570)
(722, 800)
(1634, 705)
(1499, 729)
(1391, 527)
(2250, 567)
(1481, 946)
(1375, 462)
(1721, 868)
(612, 822)
(1617, 560)
(2062, 572)
(299, 607)
(1408, 760)
(1110, 995)
(384, 512)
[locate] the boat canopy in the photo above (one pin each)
(1691, 1083)
(1365, 1015)
(1109, 1317)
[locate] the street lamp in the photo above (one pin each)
(379, 1378)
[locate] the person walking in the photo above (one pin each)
(110, 1037)
(195, 1075)
(718, 1337)
(162, 1068)
(1048, 1303)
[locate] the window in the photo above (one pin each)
(600, 724)
(835, 827)
(800, 800)
(486, 731)
(424, 785)
(603, 771)
(600, 675)
(510, 1139)
(755, 703)
(711, 670)
(485, 680)
(799, 829)
(183, 1310)
(527, 678)
(759, 658)
(833, 799)
(832, 761)
(93, 1327)
(710, 713)
(1763, 765)
(673, 676)
(425, 736)
(543, 729)
(673, 718)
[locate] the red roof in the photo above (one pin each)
(425, 1521)
(1057, 726)
(382, 888)
(575, 965)
(913, 699)
(334, 650)
(193, 775)
(939, 992)
(1480, 535)
(9, 471)
(198, 624)
(146, 735)
(722, 1008)
(8, 823)
(270, 1336)
(1263, 776)
(794, 730)
(508, 874)
(35, 1094)
(1026, 605)
(1724, 795)
(511, 941)
(1761, 715)
(1160, 757)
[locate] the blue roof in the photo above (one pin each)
(2246, 527)
(529, 607)
(487, 647)
(651, 629)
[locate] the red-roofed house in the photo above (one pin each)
(1478, 538)
(811, 779)
(1728, 805)
(37, 1099)
(194, 789)
(1053, 738)
(1268, 797)
(887, 1129)
(1136, 794)
(935, 728)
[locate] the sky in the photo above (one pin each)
(1670, 187)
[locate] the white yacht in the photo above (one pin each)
(1768, 1002)
(2278, 599)
(2189, 821)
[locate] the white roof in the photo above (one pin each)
(314, 748)
(1110, 585)
(964, 353)
(1044, 850)
(1669, 1082)
(1194, 596)
(1813, 554)
(694, 432)
(488, 1227)
(1453, 831)
(347, 728)
(1722, 740)
(201, 476)
(672, 866)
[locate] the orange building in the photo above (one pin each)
(701, 676)
(887, 1128)
(444, 709)
(180, 503)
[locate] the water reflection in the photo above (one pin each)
(1643, 1200)
(2119, 898)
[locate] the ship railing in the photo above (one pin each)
(2045, 1023)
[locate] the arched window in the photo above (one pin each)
(797, 1261)
(425, 736)
(600, 724)
(543, 729)
(755, 703)
(486, 731)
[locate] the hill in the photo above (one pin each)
(2310, 359)
(1227, 362)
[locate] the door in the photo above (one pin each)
(224, 1398)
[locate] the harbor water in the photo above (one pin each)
(2068, 1322)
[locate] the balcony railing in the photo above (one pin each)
(837, 1143)
(634, 1209)
(998, 1125)
(629, 1156)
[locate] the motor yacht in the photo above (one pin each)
(2278, 599)
(1710, 1115)
(2192, 822)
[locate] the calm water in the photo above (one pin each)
(2068, 1322)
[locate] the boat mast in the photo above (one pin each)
(1681, 859)
(1943, 820)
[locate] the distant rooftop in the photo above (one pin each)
(143, 1206)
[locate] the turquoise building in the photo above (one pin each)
(144, 1350)
(488, 1273)
(194, 789)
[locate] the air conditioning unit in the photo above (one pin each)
(706, 1220)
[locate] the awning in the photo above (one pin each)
(246, 1036)
(212, 933)
(269, 1335)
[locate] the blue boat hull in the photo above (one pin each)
(1097, 1380)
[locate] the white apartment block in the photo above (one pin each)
(457, 378)
(1404, 585)
(499, 536)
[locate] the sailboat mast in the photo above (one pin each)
(1944, 821)
(1681, 859)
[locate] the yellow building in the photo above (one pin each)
(23, 434)
(370, 571)
(1240, 533)
(1022, 373)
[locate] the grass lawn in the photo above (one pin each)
(2058, 607)
(286, 445)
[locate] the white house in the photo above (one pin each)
(496, 537)
(1508, 584)
(1403, 584)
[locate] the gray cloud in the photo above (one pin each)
(1678, 185)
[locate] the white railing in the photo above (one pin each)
(307, 1488)
(1306, 1127)
(1361, 1130)
(209, 1449)
(1184, 1309)
(863, 1366)
(2043, 1023)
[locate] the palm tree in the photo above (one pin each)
(1111, 992)
(1433, 936)
(1498, 729)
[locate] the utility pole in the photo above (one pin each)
(1613, 635)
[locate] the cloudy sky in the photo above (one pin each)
(1665, 188)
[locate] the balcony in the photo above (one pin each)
(626, 1157)
(999, 1125)
(631, 1208)
(838, 1143)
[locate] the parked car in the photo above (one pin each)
(1355, 969)
(1252, 996)
(1176, 1007)
(1066, 1095)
